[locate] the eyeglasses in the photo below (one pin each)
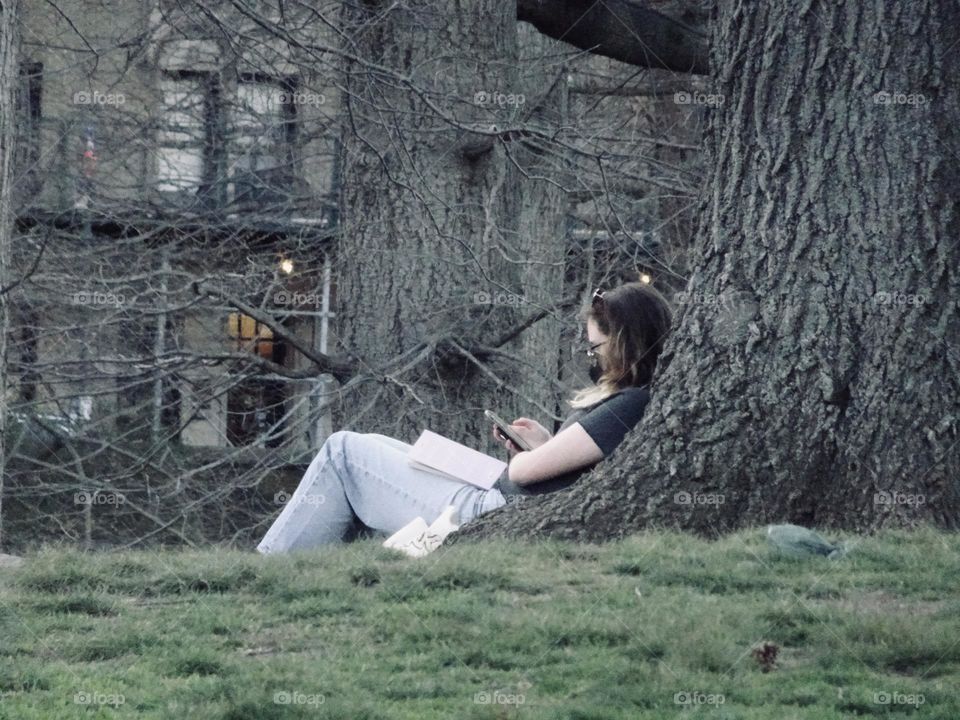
(592, 350)
(597, 300)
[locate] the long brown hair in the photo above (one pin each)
(636, 319)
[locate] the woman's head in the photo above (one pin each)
(626, 330)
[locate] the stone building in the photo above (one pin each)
(174, 168)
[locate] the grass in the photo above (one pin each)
(658, 625)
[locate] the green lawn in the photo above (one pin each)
(659, 625)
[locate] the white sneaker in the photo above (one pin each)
(446, 523)
(403, 538)
(416, 539)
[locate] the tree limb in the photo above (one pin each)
(622, 30)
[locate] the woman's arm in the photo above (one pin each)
(570, 449)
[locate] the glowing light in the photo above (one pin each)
(644, 278)
(286, 265)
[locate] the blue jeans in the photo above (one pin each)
(366, 476)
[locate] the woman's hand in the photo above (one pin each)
(530, 430)
(506, 442)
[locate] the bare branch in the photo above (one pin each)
(621, 30)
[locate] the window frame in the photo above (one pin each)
(207, 143)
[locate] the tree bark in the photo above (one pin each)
(814, 372)
(431, 261)
(543, 212)
(9, 77)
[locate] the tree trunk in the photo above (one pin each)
(543, 215)
(9, 77)
(814, 372)
(431, 264)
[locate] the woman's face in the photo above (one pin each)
(595, 336)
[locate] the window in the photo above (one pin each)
(27, 147)
(250, 335)
(28, 346)
(262, 133)
(255, 404)
(188, 151)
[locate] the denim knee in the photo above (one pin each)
(336, 442)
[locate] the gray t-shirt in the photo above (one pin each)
(606, 422)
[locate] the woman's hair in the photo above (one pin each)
(636, 319)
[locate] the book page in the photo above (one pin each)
(454, 460)
(427, 468)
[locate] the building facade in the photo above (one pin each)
(176, 196)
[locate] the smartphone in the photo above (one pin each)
(507, 431)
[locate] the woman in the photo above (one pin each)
(366, 476)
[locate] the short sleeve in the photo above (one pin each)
(609, 422)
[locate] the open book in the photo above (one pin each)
(450, 459)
